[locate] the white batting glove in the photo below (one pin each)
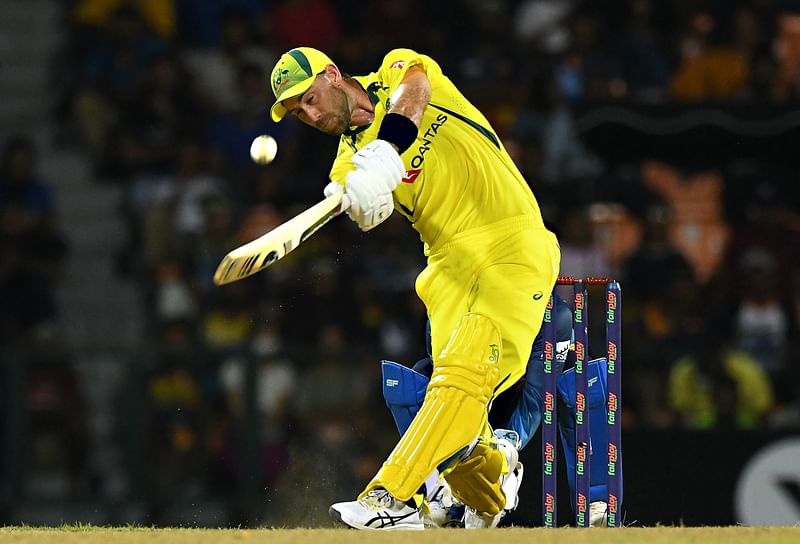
(362, 188)
(368, 219)
(334, 187)
(369, 187)
(380, 159)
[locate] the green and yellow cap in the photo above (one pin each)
(293, 75)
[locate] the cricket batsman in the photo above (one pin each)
(410, 141)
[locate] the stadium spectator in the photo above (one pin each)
(215, 70)
(718, 385)
(111, 69)
(58, 464)
(712, 68)
(32, 249)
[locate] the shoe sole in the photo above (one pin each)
(519, 471)
(337, 517)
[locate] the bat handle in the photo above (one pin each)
(344, 204)
(335, 192)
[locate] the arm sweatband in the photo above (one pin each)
(398, 130)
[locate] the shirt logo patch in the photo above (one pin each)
(398, 64)
(411, 175)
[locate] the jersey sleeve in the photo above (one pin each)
(397, 62)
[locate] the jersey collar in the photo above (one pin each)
(373, 98)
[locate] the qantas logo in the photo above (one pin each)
(427, 140)
(411, 175)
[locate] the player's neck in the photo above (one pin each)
(362, 110)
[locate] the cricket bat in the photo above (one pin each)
(255, 256)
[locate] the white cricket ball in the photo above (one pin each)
(263, 149)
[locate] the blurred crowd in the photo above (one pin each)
(165, 96)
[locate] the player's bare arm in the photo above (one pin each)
(412, 95)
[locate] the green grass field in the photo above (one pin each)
(653, 535)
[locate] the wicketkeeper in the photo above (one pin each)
(411, 141)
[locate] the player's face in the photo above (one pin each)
(323, 106)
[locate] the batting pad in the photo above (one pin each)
(475, 481)
(454, 410)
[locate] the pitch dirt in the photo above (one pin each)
(630, 535)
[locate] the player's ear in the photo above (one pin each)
(333, 74)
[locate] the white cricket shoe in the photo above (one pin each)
(443, 510)
(598, 514)
(508, 442)
(378, 511)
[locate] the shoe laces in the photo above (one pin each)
(442, 498)
(378, 499)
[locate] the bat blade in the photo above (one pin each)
(257, 255)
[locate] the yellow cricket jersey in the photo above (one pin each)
(458, 174)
